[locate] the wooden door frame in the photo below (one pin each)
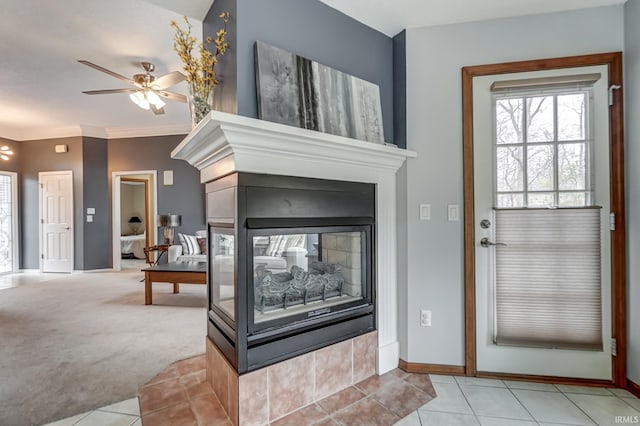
(616, 150)
(151, 238)
(147, 225)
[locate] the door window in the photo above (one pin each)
(543, 149)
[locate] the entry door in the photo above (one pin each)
(8, 222)
(56, 218)
(541, 181)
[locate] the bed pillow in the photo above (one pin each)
(189, 244)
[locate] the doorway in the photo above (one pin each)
(56, 221)
(134, 199)
(481, 323)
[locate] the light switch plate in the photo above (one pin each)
(91, 210)
(425, 211)
(89, 218)
(453, 213)
(168, 177)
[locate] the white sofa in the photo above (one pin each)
(175, 252)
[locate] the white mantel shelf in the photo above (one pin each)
(225, 143)
(232, 143)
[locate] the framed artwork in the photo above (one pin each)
(300, 92)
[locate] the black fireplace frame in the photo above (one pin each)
(250, 204)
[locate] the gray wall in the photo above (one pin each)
(313, 30)
(97, 239)
(13, 164)
(632, 125)
(39, 156)
(225, 95)
(184, 197)
(400, 89)
(435, 56)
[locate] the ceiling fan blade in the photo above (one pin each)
(156, 111)
(172, 95)
(111, 73)
(168, 80)
(109, 91)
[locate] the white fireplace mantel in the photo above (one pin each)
(225, 143)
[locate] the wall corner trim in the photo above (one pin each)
(633, 387)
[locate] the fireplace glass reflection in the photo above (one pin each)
(306, 273)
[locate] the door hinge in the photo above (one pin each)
(614, 347)
(611, 89)
(42, 221)
(42, 256)
(42, 185)
(612, 221)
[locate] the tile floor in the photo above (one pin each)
(124, 413)
(180, 395)
(463, 401)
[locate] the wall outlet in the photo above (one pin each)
(425, 318)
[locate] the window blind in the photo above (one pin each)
(563, 81)
(548, 278)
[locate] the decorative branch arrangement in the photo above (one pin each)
(199, 69)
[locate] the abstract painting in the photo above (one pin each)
(300, 92)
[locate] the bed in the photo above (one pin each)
(133, 245)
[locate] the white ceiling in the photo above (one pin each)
(392, 16)
(41, 82)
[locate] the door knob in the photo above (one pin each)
(485, 243)
(67, 228)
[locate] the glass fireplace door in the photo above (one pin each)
(304, 275)
(222, 272)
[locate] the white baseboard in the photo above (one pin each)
(388, 357)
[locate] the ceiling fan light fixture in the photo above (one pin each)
(4, 157)
(139, 99)
(154, 99)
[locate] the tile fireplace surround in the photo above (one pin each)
(225, 143)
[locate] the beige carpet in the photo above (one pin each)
(73, 343)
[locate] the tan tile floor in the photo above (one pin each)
(180, 396)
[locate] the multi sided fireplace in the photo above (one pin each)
(291, 265)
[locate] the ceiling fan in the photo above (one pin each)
(148, 90)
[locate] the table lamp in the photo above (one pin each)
(169, 222)
(134, 224)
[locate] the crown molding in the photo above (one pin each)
(43, 133)
(95, 132)
(140, 132)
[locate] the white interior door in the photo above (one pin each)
(56, 219)
(525, 358)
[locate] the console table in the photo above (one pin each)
(174, 273)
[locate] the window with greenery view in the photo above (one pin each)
(542, 149)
